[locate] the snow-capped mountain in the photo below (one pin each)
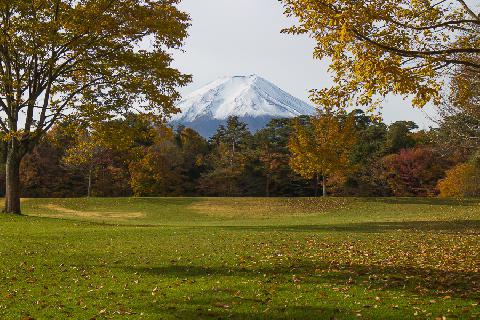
(253, 99)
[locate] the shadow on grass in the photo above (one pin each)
(413, 280)
(423, 201)
(452, 226)
(204, 309)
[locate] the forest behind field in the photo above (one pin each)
(353, 154)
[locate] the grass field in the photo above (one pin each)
(184, 258)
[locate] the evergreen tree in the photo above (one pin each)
(400, 136)
(230, 151)
(271, 146)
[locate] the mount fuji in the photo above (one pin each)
(252, 99)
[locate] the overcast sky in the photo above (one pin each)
(232, 37)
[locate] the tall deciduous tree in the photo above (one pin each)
(379, 47)
(158, 170)
(321, 147)
(84, 59)
(85, 154)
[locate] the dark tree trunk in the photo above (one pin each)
(12, 178)
(316, 186)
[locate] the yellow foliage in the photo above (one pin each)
(378, 47)
(321, 147)
(461, 181)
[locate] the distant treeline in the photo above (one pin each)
(133, 157)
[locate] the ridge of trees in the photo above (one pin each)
(375, 160)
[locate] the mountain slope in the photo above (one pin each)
(253, 99)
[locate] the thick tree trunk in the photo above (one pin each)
(12, 179)
(316, 186)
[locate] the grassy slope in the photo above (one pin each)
(241, 258)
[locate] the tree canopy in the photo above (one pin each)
(90, 60)
(378, 47)
(322, 146)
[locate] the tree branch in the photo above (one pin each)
(422, 54)
(469, 10)
(43, 127)
(435, 26)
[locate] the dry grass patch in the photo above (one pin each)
(267, 207)
(61, 212)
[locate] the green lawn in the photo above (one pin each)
(187, 258)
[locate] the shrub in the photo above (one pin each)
(412, 172)
(461, 181)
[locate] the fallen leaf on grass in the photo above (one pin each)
(221, 305)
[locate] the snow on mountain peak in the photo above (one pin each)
(243, 96)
